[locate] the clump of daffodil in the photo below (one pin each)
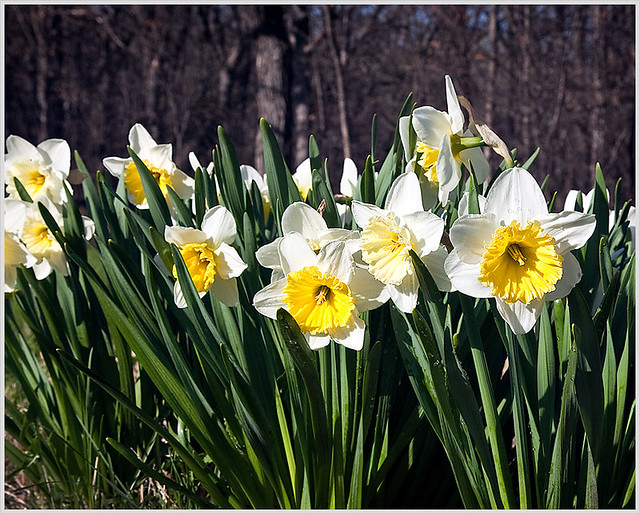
(15, 252)
(303, 219)
(210, 259)
(42, 170)
(389, 234)
(441, 147)
(516, 251)
(157, 158)
(325, 292)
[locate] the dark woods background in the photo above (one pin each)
(561, 77)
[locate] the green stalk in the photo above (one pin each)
(488, 405)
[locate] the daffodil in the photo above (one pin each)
(348, 188)
(516, 251)
(42, 170)
(15, 252)
(42, 244)
(440, 148)
(389, 234)
(302, 178)
(210, 259)
(303, 219)
(157, 158)
(325, 292)
(249, 175)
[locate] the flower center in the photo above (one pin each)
(201, 264)
(521, 264)
(31, 177)
(319, 302)
(427, 161)
(38, 239)
(385, 247)
(133, 183)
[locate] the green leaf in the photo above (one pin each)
(183, 214)
(230, 179)
(315, 161)
(367, 183)
(22, 192)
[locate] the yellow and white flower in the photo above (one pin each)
(388, 234)
(211, 260)
(42, 170)
(516, 251)
(15, 252)
(157, 158)
(303, 219)
(438, 151)
(325, 292)
(41, 242)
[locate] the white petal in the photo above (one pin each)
(42, 269)
(15, 214)
(301, 217)
(570, 229)
(181, 236)
(20, 148)
(475, 158)
(317, 341)
(59, 154)
(182, 184)
(470, 233)
(405, 295)
(403, 128)
(250, 174)
(226, 291)
(229, 264)
(453, 107)
(10, 278)
(115, 165)
(351, 336)
(195, 163)
(295, 253)
(178, 297)
(349, 180)
(140, 139)
(268, 255)
(268, 300)
(520, 317)
(571, 275)
(447, 170)
(426, 230)
(464, 277)
(335, 259)
(430, 125)
(571, 199)
(59, 262)
(219, 225)
(302, 176)
(404, 195)
(89, 227)
(434, 262)
(368, 293)
(515, 195)
(362, 212)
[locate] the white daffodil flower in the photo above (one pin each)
(388, 234)
(516, 251)
(249, 174)
(303, 219)
(438, 152)
(348, 188)
(157, 158)
(324, 292)
(42, 170)
(302, 177)
(42, 244)
(15, 252)
(210, 259)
